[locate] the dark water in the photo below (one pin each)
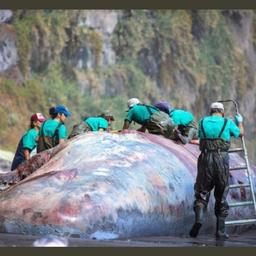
(246, 239)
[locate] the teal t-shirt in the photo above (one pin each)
(181, 117)
(139, 114)
(49, 127)
(29, 139)
(97, 123)
(213, 125)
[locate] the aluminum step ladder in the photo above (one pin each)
(247, 170)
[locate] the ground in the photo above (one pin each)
(246, 239)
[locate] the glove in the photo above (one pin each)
(239, 118)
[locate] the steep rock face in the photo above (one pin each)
(94, 48)
(8, 51)
(190, 57)
(104, 22)
(5, 15)
(241, 25)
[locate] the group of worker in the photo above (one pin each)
(213, 136)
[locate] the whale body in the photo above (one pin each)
(106, 186)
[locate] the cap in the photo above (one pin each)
(37, 117)
(133, 101)
(108, 114)
(217, 105)
(163, 106)
(62, 110)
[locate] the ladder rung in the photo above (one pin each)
(238, 168)
(239, 185)
(240, 222)
(232, 150)
(241, 204)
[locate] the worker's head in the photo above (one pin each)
(163, 106)
(132, 102)
(52, 112)
(36, 120)
(217, 107)
(62, 112)
(107, 115)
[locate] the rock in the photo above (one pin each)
(5, 161)
(8, 51)
(5, 15)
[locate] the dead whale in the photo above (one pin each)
(107, 186)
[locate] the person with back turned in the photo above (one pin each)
(213, 166)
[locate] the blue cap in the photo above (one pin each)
(62, 110)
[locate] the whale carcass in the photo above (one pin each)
(104, 185)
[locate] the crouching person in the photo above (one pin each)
(186, 128)
(102, 122)
(149, 117)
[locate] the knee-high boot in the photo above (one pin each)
(199, 214)
(221, 229)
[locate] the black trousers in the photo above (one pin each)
(212, 172)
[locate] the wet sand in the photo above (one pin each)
(246, 239)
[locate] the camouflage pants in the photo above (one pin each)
(160, 123)
(79, 129)
(189, 131)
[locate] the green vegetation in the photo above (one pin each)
(187, 50)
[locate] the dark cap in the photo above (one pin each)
(163, 106)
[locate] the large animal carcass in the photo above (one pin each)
(103, 185)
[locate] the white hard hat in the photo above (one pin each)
(217, 105)
(133, 101)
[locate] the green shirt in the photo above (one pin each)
(139, 114)
(181, 117)
(97, 123)
(213, 125)
(49, 127)
(29, 139)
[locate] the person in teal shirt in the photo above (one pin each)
(28, 141)
(186, 129)
(97, 123)
(103, 122)
(213, 166)
(53, 131)
(149, 117)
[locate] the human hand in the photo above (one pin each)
(238, 118)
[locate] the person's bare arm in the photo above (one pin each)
(62, 141)
(241, 127)
(142, 129)
(239, 122)
(126, 125)
(26, 153)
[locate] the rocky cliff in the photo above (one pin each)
(96, 59)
